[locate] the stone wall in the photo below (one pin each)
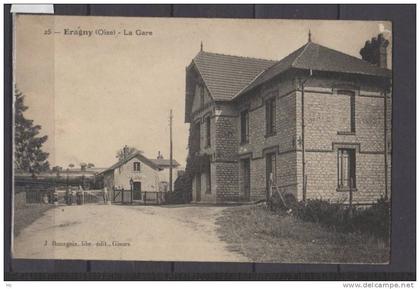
(327, 128)
(227, 179)
(326, 115)
(283, 142)
(321, 171)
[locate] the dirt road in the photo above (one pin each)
(113, 232)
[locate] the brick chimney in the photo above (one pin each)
(159, 156)
(375, 52)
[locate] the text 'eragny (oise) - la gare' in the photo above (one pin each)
(98, 32)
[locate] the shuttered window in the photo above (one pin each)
(346, 168)
(270, 116)
(244, 126)
(136, 166)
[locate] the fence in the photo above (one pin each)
(130, 197)
(92, 196)
(33, 195)
(37, 196)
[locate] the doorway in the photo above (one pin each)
(198, 187)
(136, 191)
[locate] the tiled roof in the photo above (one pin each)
(164, 162)
(317, 57)
(138, 155)
(225, 75)
(228, 76)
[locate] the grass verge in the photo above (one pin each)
(26, 215)
(264, 236)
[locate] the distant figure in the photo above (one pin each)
(69, 196)
(79, 196)
(55, 197)
(45, 199)
(106, 195)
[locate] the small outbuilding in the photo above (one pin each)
(136, 179)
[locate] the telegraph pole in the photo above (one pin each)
(170, 151)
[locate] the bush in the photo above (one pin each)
(373, 220)
(182, 191)
(323, 212)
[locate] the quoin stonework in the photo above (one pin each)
(318, 122)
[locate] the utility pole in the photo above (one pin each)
(170, 151)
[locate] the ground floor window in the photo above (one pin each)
(346, 169)
(208, 179)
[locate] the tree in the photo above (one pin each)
(71, 166)
(83, 167)
(57, 170)
(90, 165)
(128, 151)
(29, 156)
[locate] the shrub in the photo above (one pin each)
(323, 212)
(374, 220)
(182, 191)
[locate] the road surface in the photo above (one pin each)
(115, 232)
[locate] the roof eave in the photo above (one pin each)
(387, 75)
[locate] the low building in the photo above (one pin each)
(163, 171)
(134, 178)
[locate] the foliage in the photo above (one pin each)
(182, 190)
(57, 169)
(373, 220)
(29, 156)
(266, 236)
(130, 150)
(183, 185)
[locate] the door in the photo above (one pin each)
(270, 165)
(246, 177)
(198, 187)
(136, 191)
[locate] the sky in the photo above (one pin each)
(93, 95)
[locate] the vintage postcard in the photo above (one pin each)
(232, 140)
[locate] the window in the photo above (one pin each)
(346, 168)
(350, 107)
(136, 166)
(270, 116)
(244, 126)
(208, 131)
(201, 95)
